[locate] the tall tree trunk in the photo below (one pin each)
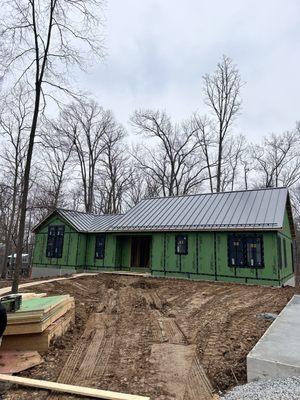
(24, 197)
(219, 166)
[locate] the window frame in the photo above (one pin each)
(285, 253)
(55, 241)
(245, 239)
(102, 255)
(186, 245)
(279, 252)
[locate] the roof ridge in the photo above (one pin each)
(87, 213)
(214, 193)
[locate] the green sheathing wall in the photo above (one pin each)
(78, 249)
(207, 258)
(123, 252)
(266, 275)
(286, 235)
(109, 260)
(72, 246)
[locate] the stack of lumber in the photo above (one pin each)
(39, 320)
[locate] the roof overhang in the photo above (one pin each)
(48, 216)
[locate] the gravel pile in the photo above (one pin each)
(272, 389)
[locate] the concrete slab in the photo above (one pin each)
(277, 353)
(43, 272)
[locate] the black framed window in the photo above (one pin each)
(55, 241)
(236, 252)
(181, 244)
(292, 254)
(100, 247)
(245, 251)
(284, 253)
(279, 253)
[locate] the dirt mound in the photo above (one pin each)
(144, 284)
(218, 319)
(113, 284)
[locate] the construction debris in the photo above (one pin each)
(12, 362)
(39, 320)
(267, 316)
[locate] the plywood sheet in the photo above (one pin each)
(40, 304)
(38, 327)
(12, 362)
(39, 341)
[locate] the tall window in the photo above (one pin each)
(245, 251)
(279, 253)
(236, 252)
(181, 244)
(100, 247)
(55, 241)
(284, 253)
(292, 254)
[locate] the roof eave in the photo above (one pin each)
(187, 229)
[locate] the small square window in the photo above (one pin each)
(100, 247)
(181, 244)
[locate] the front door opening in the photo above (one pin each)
(140, 251)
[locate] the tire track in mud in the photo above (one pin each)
(89, 358)
(218, 318)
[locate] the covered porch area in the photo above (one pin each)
(133, 252)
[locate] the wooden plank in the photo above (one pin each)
(78, 390)
(38, 327)
(39, 341)
(12, 362)
(38, 283)
(37, 319)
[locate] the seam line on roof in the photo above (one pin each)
(188, 208)
(250, 208)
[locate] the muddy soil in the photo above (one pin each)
(219, 319)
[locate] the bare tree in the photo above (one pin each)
(14, 119)
(172, 163)
(86, 125)
(222, 96)
(277, 160)
(39, 40)
(56, 150)
(233, 156)
(114, 173)
(207, 140)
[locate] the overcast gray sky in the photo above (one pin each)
(158, 51)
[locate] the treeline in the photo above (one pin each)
(84, 159)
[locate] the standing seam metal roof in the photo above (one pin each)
(249, 209)
(84, 222)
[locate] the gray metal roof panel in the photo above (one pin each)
(84, 222)
(262, 208)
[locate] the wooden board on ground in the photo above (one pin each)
(78, 390)
(180, 370)
(38, 283)
(40, 326)
(40, 341)
(12, 362)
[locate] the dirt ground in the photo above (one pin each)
(218, 319)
